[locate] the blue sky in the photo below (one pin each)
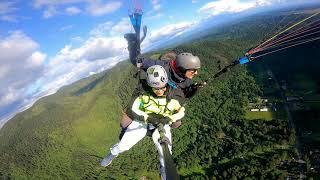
(46, 44)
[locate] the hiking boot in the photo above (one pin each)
(107, 160)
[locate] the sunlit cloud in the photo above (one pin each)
(64, 28)
(102, 29)
(7, 10)
(42, 3)
(156, 4)
(94, 8)
(153, 17)
(98, 8)
(112, 29)
(77, 39)
(72, 10)
(36, 59)
(21, 64)
(234, 6)
(50, 12)
(165, 33)
(24, 77)
(226, 6)
(122, 27)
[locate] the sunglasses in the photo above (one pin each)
(193, 71)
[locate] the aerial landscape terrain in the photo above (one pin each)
(260, 120)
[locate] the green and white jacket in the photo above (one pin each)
(145, 104)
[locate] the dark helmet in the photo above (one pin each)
(187, 61)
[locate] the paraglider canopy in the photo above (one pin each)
(135, 18)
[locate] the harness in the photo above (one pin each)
(151, 105)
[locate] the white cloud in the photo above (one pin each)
(4, 70)
(49, 12)
(101, 29)
(6, 11)
(41, 3)
(156, 16)
(10, 96)
(226, 6)
(93, 7)
(96, 8)
(121, 27)
(109, 28)
(7, 7)
(166, 32)
(156, 4)
(16, 47)
(194, 1)
(170, 30)
(234, 6)
(64, 28)
(265, 2)
(94, 48)
(9, 18)
(21, 64)
(77, 39)
(24, 77)
(72, 64)
(67, 72)
(36, 59)
(72, 10)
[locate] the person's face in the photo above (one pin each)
(160, 91)
(190, 73)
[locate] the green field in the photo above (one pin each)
(259, 115)
(267, 116)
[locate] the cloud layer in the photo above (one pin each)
(7, 10)
(73, 7)
(21, 64)
(233, 6)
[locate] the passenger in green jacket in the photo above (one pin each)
(144, 108)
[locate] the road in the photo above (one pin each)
(290, 121)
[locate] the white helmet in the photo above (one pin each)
(157, 76)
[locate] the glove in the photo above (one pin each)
(142, 118)
(200, 84)
(157, 119)
(191, 90)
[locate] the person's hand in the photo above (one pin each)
(143, 117)
(200, 84)
(157, 119)
(176, 124)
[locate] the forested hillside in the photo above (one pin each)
(65, 135)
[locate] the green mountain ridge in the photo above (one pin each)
(57, 120)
